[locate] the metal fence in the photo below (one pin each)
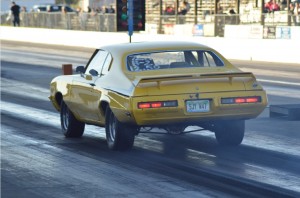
(70, 21)
(107, 22)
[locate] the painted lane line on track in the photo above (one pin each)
(283, 92)
(44, 56)
(40, 116)
(269, 72)
(30, 113)
(278, 82)
(24, 89)
(40, 59)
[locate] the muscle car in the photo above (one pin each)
(170, 85)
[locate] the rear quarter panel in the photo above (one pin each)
(60, 85)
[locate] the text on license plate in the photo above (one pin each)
(193, 106)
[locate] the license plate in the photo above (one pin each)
(194, 106)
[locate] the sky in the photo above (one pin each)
(5, 4)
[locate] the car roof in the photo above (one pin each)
(153, 46)
(121, 51)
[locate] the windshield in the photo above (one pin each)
(173, 59)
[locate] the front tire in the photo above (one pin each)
(230, 133)
(119, 136)
(70, 126)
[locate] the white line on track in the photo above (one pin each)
(30, 113)
(40, 59)
(283, 92)
(24, 89)
(278, 82)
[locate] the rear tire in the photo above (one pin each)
(230, 133)
(119, 136)
(70, 126)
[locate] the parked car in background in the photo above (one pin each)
(52, 8)
(170, 85)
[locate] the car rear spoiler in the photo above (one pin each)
(151, 81)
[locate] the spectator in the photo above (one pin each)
(169, 10)
(49, 9)
(89, 9)
(185, 8)
(295, 11)
(15, 10)
(23, 9)
(271, 6)
(64, 10)
(103, 10)
(233, 18)
(283, 4)
(219, 8)
(78, 10)
(111, 9)
(23, 18)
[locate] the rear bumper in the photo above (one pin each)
(179, 115)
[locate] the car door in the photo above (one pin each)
(84, 98)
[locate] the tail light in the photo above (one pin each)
(157, 104)
(241, 100)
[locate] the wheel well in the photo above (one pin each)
(103, 106)
(58, 98)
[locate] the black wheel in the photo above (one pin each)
(119, 136)
(230, 133)
(70, 126)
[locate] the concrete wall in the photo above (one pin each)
(271, 50)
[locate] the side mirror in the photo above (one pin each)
(93, 72)
(80, 69)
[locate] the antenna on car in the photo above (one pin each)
(130, 19)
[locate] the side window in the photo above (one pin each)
(106, 64)
(97, 63)
(209, 59)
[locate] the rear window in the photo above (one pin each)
(173, 59)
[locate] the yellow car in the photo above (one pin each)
(169, 85)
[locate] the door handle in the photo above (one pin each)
(92, 84)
